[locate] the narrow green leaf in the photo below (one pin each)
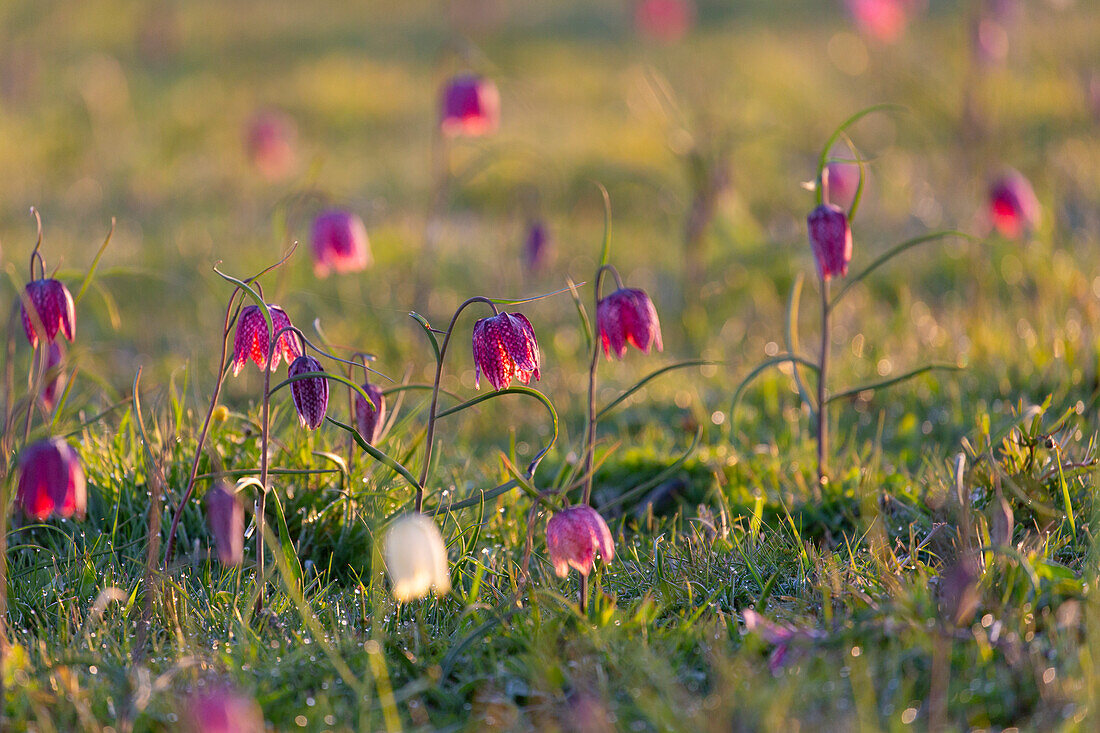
(893, 380)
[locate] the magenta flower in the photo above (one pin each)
(505, 348)
(839, 183)
(310, 394)
(225, 515)
(55, 376)
(253, 340)
(54, 305)
(271, 138)
(370, 415)
(574, 536)
(340, 243)
(627, 316)
(1013, 208)
(884, 20)
(51, 481)
(666, 21)
(536, 248)
(831, 240)
(222, 710)
(470, 107)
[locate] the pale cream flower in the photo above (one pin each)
(416, 558)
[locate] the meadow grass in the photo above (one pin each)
(712, 509)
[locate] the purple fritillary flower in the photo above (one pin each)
(51, 481)
(340, 243)
(252, 338)
(54, 305)
(831, 240)
(574, 536)
(370, 415)
(627, 316)
(505, 348)
(311, 394)
(470, 107)
(225, 516)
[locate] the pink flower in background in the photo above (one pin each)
(225, 516)
(55, 375)
(666, 21)
(53, 303)
(223, 710)
(1013, 208)
(831, 240)
(340, 243)
(51, 480)
(470, 107)
(627, 316)
(271, 139)
(840, 182)
(574, 536)
(505, 348)
(884, 20)
(536, 247)
(252, 338)
(310, 394)
(370, 415)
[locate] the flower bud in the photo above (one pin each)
(340, 243)
(370, 415)
(53, 305)
(252, 340)
(470, 107)
(627, 316)
(51, 481)
(505, 347)
(416, 558)
(574, 536)
(225, 516)
(831, 240)
(310, 394)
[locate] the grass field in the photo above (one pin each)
(740, 596)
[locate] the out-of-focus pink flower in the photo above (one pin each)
(225, 516)
(51, 481)
(574, 536)
(831, 240)
(252, 340)
(470, 107)
(310, 394)
(536, 247)
(271, 139)
(370, 415)
(340, 243)
(53, 303)
(627, 316)
(223, 711)
(1013, 208)
(884, 20)
(783, 638)
(839, 183)
(55, 375)
(505, 348)
(666, 21)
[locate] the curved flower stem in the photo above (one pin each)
(430, 436)
(822, 401)
(590, 421)
(230, 317)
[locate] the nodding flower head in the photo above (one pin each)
(253, 340)
(311, 393)
(627, 316)
(574, 536)
(225, 515)
(370, 415)
(1013, 208)
(831, 240)
(53, 304)
(416, 558)
(470, 107)
(51, 480)
(340, 243)
(505, 347)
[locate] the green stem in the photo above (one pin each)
(590, 421)
(822, 401)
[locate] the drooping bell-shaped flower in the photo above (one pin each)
(505, 347)
(340, 243)
(1013, 208)
(416, 558)
(310, 394)
(252, 340)
(627, 316)
(370, 415)
(831, 240)
(225, 516)
(53, 303)
(574, 536)
(271, 139)
(51, 480)
(470, 107)
(55, 375)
